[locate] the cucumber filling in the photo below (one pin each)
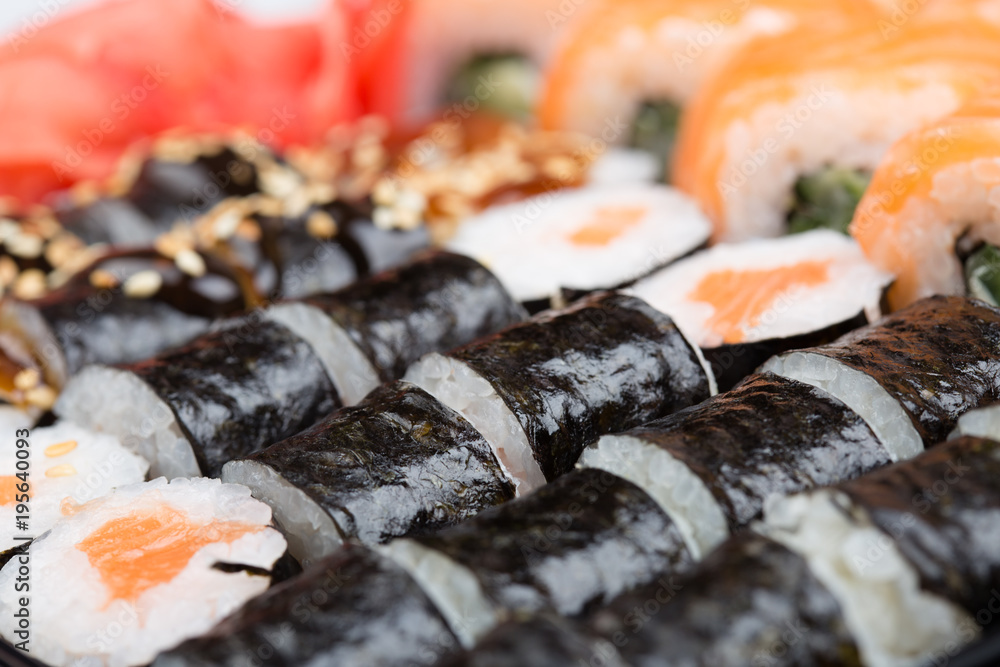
(826, 199)
(654, 130)
(502, 83)
(982, 274)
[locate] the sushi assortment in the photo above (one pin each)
(648, 332)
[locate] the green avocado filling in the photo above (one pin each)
(654, 130)
(982, 274)
(502, 83)
(826, 199)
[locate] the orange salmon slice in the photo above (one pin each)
(741, 298)
(608, 223)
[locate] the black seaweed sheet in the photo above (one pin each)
(768, 436)
(438, 301)
(605, 364)
(399, 463)
(940, 357)
(571, 545)
(244, 386)
(942, 510)
(751, 602)
(352, 608)
(544, 641)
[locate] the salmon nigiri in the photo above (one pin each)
(785, 136)
(625, 69)
(937, 192)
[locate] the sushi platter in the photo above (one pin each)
(610, 333)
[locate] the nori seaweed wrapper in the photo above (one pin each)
(439, 301)
(351, 608)
(942, 510)
(542, 641)
(939, 357)
(246, 385)
(770, 435)
(398, 463)
(605, 364)
(571, 545)
(733, 362)
(751, 602)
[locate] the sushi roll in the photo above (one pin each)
(124, 307)
(572, 545)
(398, 463)
(895, 568)
(541, 391)
(257, 379)
(743, 303)
(711, 467)
(354, 607)
(912, 374)
(930, 215)
(595, 237)
(67, 466)
(624, 71)
(134, 573)
(753, 147)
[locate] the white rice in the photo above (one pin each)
(351, 372)
(528, 244)
(854, 285)
(860, 392)
(463, 390)
(116, 402)
(67, 466)
(679, 492)
(74, 618)
(621, 166)
(310, 531)
(981, 423)
(453, 588)
(894, 622)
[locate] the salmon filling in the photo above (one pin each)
(608, 223)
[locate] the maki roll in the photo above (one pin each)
(639, 62)
(596, 237)
(743, 303)
(67, 467)
(711, 467)
(398, 463)
(122, 308)
(541, 391)
(248, 383)
(352, 608)
(753, 147)
(129, 575)
(912, 374)
(260, 378)
(929, 215)
(572, 545)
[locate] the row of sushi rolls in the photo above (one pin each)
(497, 333)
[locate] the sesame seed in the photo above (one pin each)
(43, 397)
(321, 225)
(27, 378)
(65, 470)
(60, 448)
(102, 279)
(190, 263)
(30, 285)
(143, 285)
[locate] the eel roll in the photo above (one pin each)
(543, 390)
(351, 608)
(127, 306)
(912, 374)
(712, 466)
(398, 463)
(246, 384)
(572, 545)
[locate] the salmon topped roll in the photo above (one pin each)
(786, 135)
(932, 212)
(624, 70)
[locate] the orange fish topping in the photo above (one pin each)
(150, 547)
(8, 489)
(741, 298)
(608, 223)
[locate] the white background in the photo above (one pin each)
(13, 13)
